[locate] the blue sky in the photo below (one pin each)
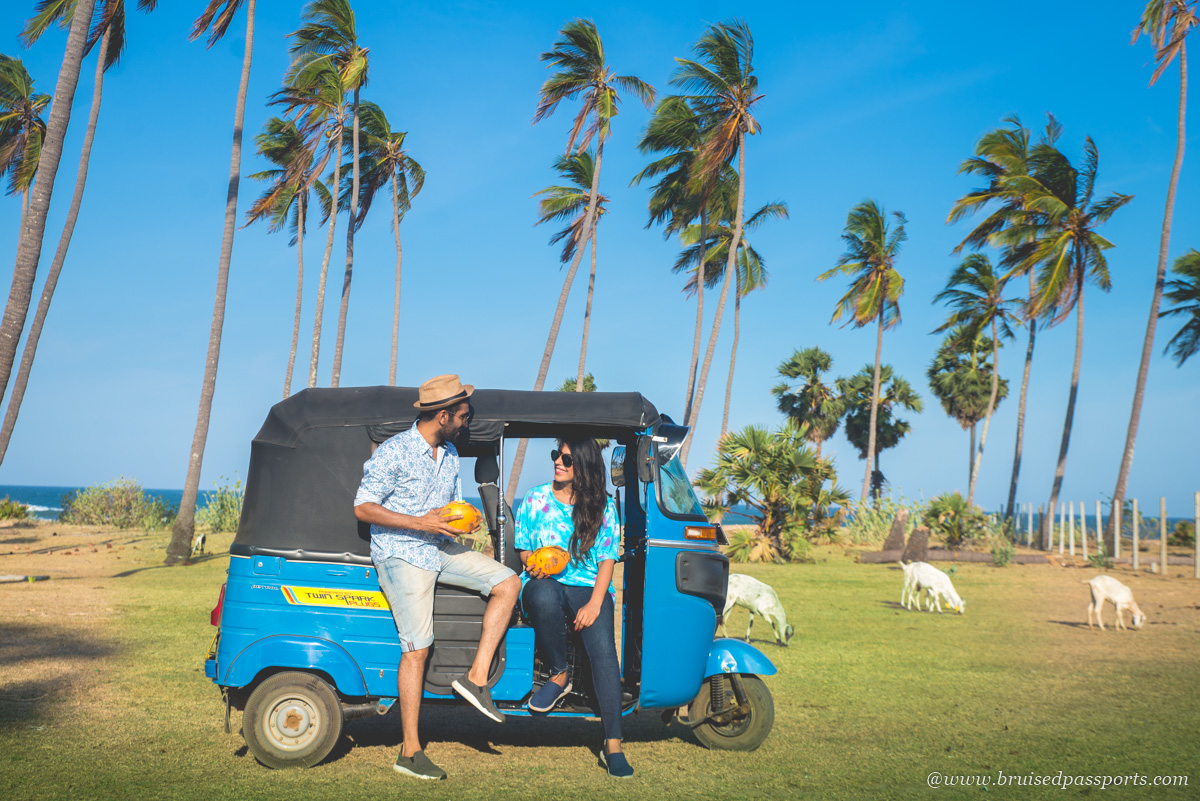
(883, 103)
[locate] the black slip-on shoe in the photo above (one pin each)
(418, 766)
(548, 696)
(479, 697)
(616, 764)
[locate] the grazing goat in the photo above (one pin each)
(1107, 588)
(198, 542)
(924, 576)
(756, 597)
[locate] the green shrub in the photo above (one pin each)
(223, 509)
(1100, 558)
(870, 524)
(1002, 552)
(950, 518)
(120, 503)
(750, 545)
(1184, 533)
(12, 510)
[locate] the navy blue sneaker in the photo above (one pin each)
(616, 764)
(548, 696)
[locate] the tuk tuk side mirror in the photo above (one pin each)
(645, 471)
(616, 470)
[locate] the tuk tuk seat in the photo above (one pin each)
(487, 473)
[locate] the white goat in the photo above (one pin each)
(756, 597)
(924, 576)
(1107, 588)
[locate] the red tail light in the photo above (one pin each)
(215, 617)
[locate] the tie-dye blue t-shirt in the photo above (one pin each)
(544, 520)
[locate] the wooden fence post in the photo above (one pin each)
(1162, 533)
(1071, 528)
(1083, 528)
(1062, 526)
(1136, 517)
(1042, 526)
(1099, 529)
(1115, 514)
(1196, 541)
(1029, 531)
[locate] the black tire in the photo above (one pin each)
(745, 733)
(292, 720)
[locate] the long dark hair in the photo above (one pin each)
(591, 496)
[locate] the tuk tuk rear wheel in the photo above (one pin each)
(743, 733)
(292, 720)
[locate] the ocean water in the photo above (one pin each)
(46, 502)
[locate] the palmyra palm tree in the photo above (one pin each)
(383, 161)
(723, 92)
(215, 20)
(108, 29)
(582, 70)
(33, 226)
(875, 290)
(1062, 244)
(1167, 23)
(975, 293)
(22, 128)
(285, 203)
(1184, 292)
(329, 32)
(873, 397)
(814, 405)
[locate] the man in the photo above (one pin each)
(405, 482)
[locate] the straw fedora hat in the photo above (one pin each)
(442, 391)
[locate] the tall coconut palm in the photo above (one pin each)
(815, 406)
(975, 294)
(961, 378)
(875, 289)
(1000, 154)
(1062, 244)
(874, 396)
(33, 227)
(285, 203)
(109, 30)
(215, 20)
(383, 161)
(582, 72)
(723, 91)
(329, 31)
(1167, 23)
(22, 128)
(1184, 292)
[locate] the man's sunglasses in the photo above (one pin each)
(566, 458)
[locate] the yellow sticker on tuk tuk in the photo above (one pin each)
(327, 596)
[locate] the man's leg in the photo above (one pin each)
(495, 623)
(411, 684)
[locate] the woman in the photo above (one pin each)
(575, 513)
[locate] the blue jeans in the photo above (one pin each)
(552, 607)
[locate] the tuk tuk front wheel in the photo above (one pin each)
(744, 730)
(292, 720)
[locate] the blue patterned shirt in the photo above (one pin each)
(544, 520)
(401, 476)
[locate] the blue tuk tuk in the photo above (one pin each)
(305, 638)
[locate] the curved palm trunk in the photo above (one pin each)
(287, 380)
(60, 256)
(33, 229)
(694, 364)
(971, 457)
(866, 487)
(1016, 471)
(317, 319)
(185, 524)
(396, 298)
(587, 315)
(345, 305)
(1163, 244)
(737, 327)
(548, 352)
(730, 267)
(987, 419)
(1066, 437)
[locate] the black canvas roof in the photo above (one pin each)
(306, 460)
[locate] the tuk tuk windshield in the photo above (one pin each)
(675, 493)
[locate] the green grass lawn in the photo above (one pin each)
(869, 699)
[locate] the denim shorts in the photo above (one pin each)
(409, 589)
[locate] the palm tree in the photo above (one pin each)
(1000, 154)
(1184, 292)
(329, 32)
(384, 160)
(109, 30)
(578, 56)
(215, 19)
(975, 292)
(875, 288)
(873, 397)
(1062, 244)
(33, 228)
(22, 128)
(813, 403)
(285, 203)
(1167, 23)
(570, 202)
(723, 92)
(961, 378)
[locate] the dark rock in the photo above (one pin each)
(917, 549)
(895, 538)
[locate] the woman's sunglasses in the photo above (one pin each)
(566, 458)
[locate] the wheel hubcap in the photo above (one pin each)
(292, 723)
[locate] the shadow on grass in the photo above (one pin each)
(25, 701)
(190, 562)
(18, 540)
